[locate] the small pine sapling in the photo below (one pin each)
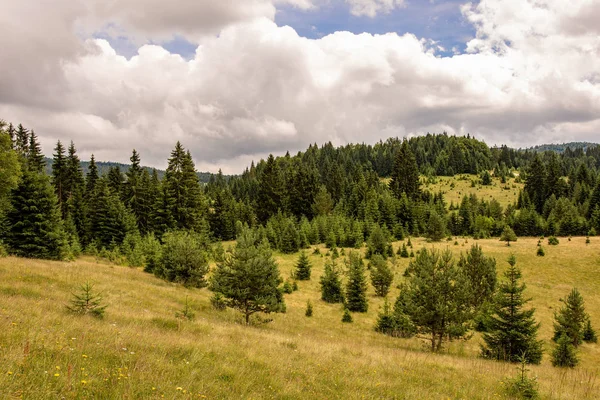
(309, 309)
(540, 252)
(347, 317)
(522, 386)
(218, 302)
(294, 286)
(553, 241)
(589, 334)
(564, 354)
(287, 287)
(86, 302)
(186, 312)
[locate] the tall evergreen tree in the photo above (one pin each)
(381, 275)
(35, 158)
(535, 183)
(35, 227)
(270, 193)
(512, 330)
(135, 193)
(59, 177)
(356, 287)
(250, 278)
(405, 174)
(564, 354)
(116, 180)
(571, 318)
(22, 141)
(91, 179)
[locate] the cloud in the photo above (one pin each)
(255, 88)
(371, 8)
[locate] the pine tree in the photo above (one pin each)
(116, 180)
(570, 319)
(435, 297)
(135, 192)
(323, 203)
(303, 268)
(381, 275)
(35, 227)
(508, 235)
(436, 227)
(249, 279)
(405, 173)
(564, 354)
(331, 286)
(92, 177)
(10, 169)
(309, 309)
(184, 259)
(512, 330)
(347, 317)
(404, 251)
(589, 334)
(35, 158)
(22, 141)
(270, 193)
(481, 275)
(377, 243)
(87, 302)
(356, 287)
(535, 183)
(59, 177)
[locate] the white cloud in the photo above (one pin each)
(256, 88)
(371, 8)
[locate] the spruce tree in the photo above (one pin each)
(184, 259)
(381, 275)
(22, 141)
(481, 275)
(59, 177)
(92, 177)
(35, 158)
(535, 183)
(589, 334)
(405, 173)
(331, 286)
(116, 180)
(435, 297)
(512, 331)
(347, 317)
(135, 192)
(564, 354)
(35, 227)
(508, 235)
(377, 243)
(436, 227)
(303, 268)
(10, 168)
(270, 192)
(249, 279)
(356, 287)
(571, 318)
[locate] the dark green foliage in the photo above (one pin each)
(184, 259)
(480, 272)
(436, 227)
(356, 287)
(186, 313)
(508, 235)
(294, 286)
(540, 252)
(436, 297)
(323, 203)
(535, 183)
(571, 318)
(35, 228)
(522, 386)
(486, 178)
(218, 302)
(589, 334)
(91, 178)
(35, 158)
(309, 309)
(287, 287)
(381, 275)
(394, 323)
(86, 302)
(347, 317)
(403, 251)
(378, 243)
(553, 241)
(270, 190)
(564, 354)
(303, 268)
(405, 173)
(152, 251)
(331, 285)
(59, 177)
(512, 331)
(249, 278)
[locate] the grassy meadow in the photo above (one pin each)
(141, 350)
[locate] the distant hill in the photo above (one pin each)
(103, 168)
(559, 148)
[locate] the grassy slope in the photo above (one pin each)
(141, 351)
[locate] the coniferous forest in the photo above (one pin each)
(345, 200)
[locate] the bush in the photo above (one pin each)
(287, 287)
(183, 259)
(218, 302)
(553, 241)
(564, 354)
(86, 302)
(381, 275)
(540, 252)
(152, 250)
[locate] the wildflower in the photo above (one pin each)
(57, 368)
(179, 388)
(83, 382)
(10, 372)
(84, 356)
(57, 374)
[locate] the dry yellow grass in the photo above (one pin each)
(140, 350)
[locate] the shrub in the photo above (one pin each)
(287, 287)
(553, 241)
(218, 302)
(381, 275)
(589, 334)
(87, 302)
(564, 354)
(540, 252)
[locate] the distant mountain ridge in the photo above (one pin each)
(104, 166)
(560, 148)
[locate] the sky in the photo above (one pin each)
(236, 80)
